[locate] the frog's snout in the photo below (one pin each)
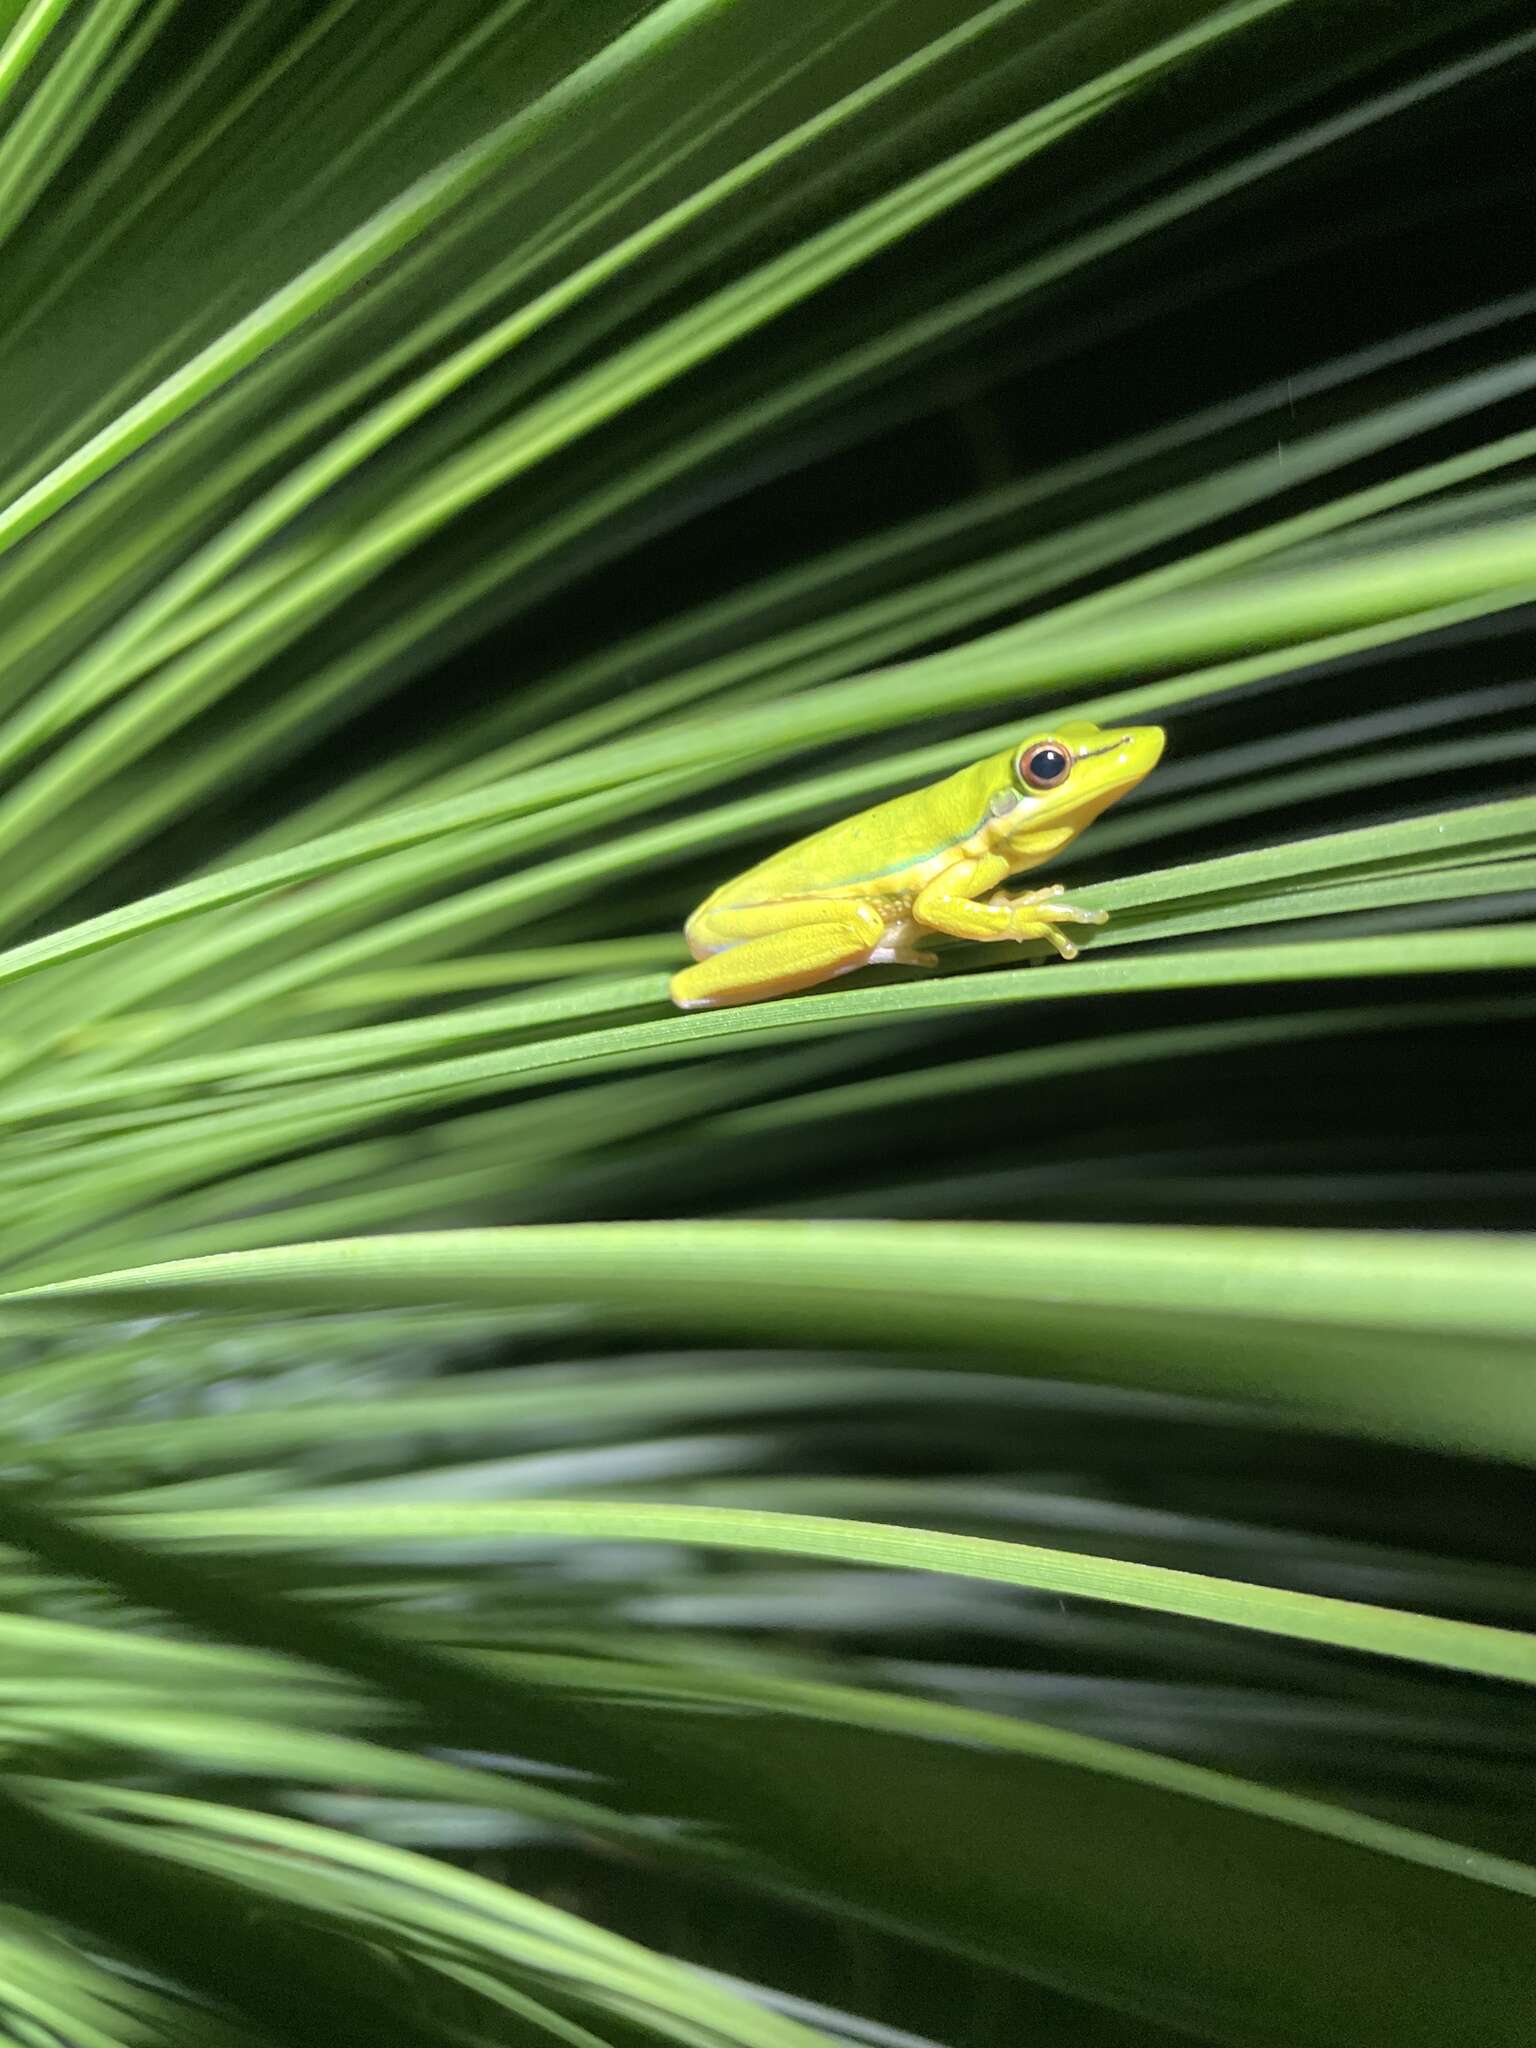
(1138, 749)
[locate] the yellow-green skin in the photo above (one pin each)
(859, 893)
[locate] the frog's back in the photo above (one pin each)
(872, 850)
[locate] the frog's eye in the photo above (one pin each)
(1045, 766)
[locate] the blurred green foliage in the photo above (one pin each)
(969, 1508)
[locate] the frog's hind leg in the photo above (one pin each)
(813, 942)
(899, 948)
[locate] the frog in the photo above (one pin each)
(864, 891)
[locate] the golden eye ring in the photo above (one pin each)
(1045, 765)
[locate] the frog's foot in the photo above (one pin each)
(1036, 914)
(902, 956)
(899, 948)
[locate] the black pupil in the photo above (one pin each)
(1047, 764)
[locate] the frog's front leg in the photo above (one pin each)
(948, 904)
(749, 952)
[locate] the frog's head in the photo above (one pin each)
(1062, 778)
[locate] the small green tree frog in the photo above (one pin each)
(860, 892)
